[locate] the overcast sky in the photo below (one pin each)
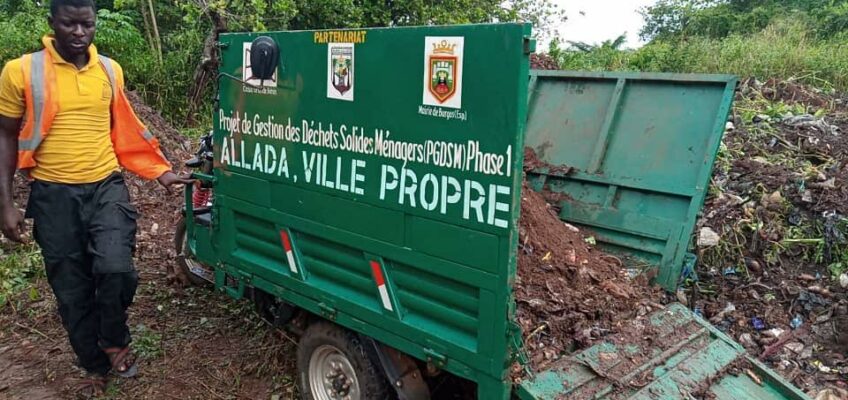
(603, 20)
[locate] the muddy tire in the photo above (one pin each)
(333, 363)
(184, 260)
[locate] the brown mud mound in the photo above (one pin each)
(568, 293)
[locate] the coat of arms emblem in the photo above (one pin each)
(341, 63)
(443, 77)
(443, 71)
(340, 69)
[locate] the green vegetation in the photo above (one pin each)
(167, 47)
(147, 342)
(802, 40)
(18, 268)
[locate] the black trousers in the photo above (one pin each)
(87, 237)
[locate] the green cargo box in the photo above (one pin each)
(374, 180)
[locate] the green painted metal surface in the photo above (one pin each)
(363, 185)
(642, 148)
(684, 357)
(377, 183)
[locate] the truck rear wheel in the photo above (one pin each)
(334, 364)
(192, 269)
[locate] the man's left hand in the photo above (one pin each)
(169, 179)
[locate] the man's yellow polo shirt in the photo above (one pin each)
(78, 148)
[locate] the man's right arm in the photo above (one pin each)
(11, 220)
(12, 108)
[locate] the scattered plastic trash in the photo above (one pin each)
(821, 367)
(698, 312)
(758, 323)
(796, 322)
(795, 347)
(729, 271)
(808, 120)
(760, 118)
(832, 394)
(708, 237)
(775, 332)
(747, 340)
(721, 317)
(807, 197)
(809, 301)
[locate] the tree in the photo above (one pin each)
(668, 19)
(611, 44)
(168, 47)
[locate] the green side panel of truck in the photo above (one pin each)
(375, 181)
(641, 148)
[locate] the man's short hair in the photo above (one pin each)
(55, 4)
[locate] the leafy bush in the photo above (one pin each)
(786, 49)
(18, 267)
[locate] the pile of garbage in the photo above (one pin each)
(773, 240)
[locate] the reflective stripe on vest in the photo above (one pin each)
(37, 86)
(107, 65)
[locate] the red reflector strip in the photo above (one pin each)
(286, 242)
(284, 237)
(378, 273)
(377, 270)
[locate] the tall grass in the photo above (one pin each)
(786, 49)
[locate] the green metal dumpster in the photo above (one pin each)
(369, 182)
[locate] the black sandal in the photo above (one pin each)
(123, 361)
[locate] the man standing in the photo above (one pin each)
(65, 122)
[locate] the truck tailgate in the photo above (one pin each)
(670, 354)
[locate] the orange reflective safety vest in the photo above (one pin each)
(135, 147)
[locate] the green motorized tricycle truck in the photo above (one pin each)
(363, 187)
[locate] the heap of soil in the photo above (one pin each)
(569, 294)
(543, 61)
